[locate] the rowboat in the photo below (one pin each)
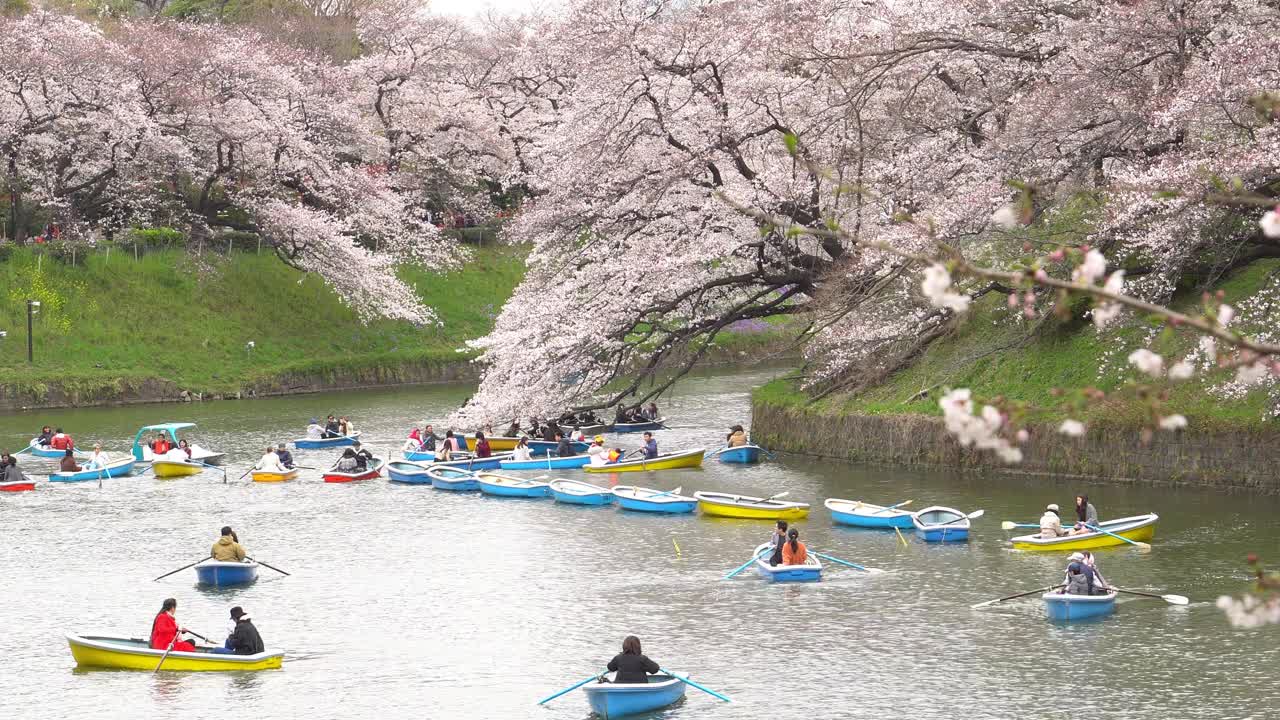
(373, 471)
(497, 443)
(613, 700)
(639, 426)
(740, 454)
(1060, 606)
(117, 468)
(274, 476)
(860, 514)
(142, 453)
(49, 452)
(547, 463)
(686, 459)
(175, 468)
(18, 485)
(493, 462)
(507, 486)
(410, 473)
(135, 654)
(810, 571)
(538, 448)
(577, 492)
(1138, 528)
(444, 477)
(657, 501)
(596, 429)
(752, 508)
(941, 524)
(315, 444)
(222, 574)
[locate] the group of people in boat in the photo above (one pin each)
(332, 428)
(786, 546)
(242, 638)
(636, 414)
(9, 472)
(162, 448)
(54, 439)
(276, 459)
(355, 459)
(1086, 518)
(1083, 577)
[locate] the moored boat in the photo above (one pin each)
(941, 524)
(445, 477)
(223, 574)
(685, 459)
(548, 462)
(745, 454)
(134, 654)
(369, 473)
(274, 476)
(656, 501)
(613, 700)
(18, 485)
(117, 468)
(409, 473)
(315, 444)
(639, 426)
(507, 486)
(1061, 606)
(1136, 528)
(860, 514)
(577, 492)
(142, 452)
(752, 508)
(809, 571)
(175, 468)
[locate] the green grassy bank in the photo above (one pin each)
(111, 322)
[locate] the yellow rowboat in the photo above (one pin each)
(751, 508)
(271, 476)
(1138, 528)
(686, 459)
(135, 654)
(496, 444)
(174, 468)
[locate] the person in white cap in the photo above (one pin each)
(1050, 523)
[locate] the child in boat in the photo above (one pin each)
(631, 665)
(794, 551)
(165, 629)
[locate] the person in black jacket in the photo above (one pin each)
(244, 640)
(631, 665)
(364, 458)
(564, 448)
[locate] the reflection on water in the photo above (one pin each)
(410, 602)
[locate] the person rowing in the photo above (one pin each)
(1050, 523)
(227, 547)
(270, 462)
(347, 463)
(97, 459)
(11, 471)
(429, 439)
(776, 540)
(61, 441)
(363, 457)
(564, 446)
(483, 450)
(631, 666)
(286, 457)
(1086, 515)
(650, 448)
(165, 629)
(737, 437)
(332, 429)
(1081, 578)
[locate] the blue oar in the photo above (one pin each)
(570, 688)
(25, 449)
(687, 681)
(746, 565)
(842, 562)
(1142, 547)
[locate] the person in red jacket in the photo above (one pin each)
(165, 629)
(161, 445)
(61, 440)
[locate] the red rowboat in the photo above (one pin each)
(333, 476)
(17, 486)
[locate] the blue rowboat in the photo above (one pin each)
(810, 571)
(310, 444)
(741, 454)
(655, 501)
(577, 492)
(507, 486)
(613, 700)
(410, 473)
(941, 524)
(539, 448)
(860, 514)
(444, 477)
(117, 468)
(48, 452)
(221, 574)
(493, 462)
(639, 426)
(547, 463)
(1060, 606)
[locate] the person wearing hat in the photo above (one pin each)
(244, 638)
(286, 457)
(1050, 523)
(227, 548)
(598, 455)
(1081, 578)
(737, 437)
(315, 431)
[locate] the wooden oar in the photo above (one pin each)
(575, 686)
(246, 472)
(303, 467)
(184, 567)
(1011, 597)
(267, 566)
(771, 497)
(166, 653)
(1171, 599)
(193, 632)
(1142, 547)
(687, 681)
(1009, 525)
(746, 565)
(842, 562)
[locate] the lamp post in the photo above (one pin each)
(33, 307)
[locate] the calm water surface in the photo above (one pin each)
(407, 602)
